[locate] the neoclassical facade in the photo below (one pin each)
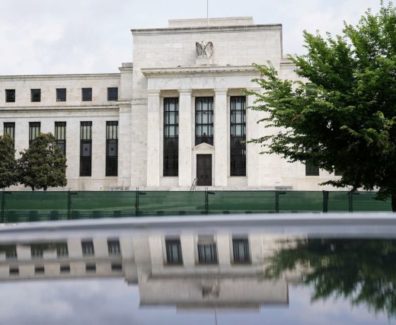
(176, 118)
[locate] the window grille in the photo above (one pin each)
(34, 131)
(86, 149)
(173, 252)
(171, 137)
(207, 251)
(241, 250)
(60, 136)
(238, 135)
(204, 120)
(112, 148)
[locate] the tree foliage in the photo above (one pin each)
(362, 271)
(43, 164)
(8, 170)
(341, 115)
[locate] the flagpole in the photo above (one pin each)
(207, 12)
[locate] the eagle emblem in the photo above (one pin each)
(204, 50)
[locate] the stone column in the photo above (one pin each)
(153, 138)
(221, 138)
(124, 138)
(185, 138)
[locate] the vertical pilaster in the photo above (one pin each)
(153, 138)
(185, 138)
(253, 157)
(221, 138)
(124, 138)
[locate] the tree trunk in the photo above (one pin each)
(393, 196)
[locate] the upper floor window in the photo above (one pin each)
(173, 251)
(112, 93)
(240, 247)
(204, 120)
(311, 169)
(10, 95)
(87, 247)
(207, 250)
(86, 94)
(113, 246)
(86, 148)
(61, 94)
(35, 95)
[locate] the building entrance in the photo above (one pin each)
(204, 170)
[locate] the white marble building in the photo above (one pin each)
(174, 119)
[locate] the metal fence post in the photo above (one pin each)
(325, 201)
(276, 202)
(137, 202)
(2, 206)
(207, 193)
(69, 203)
(350, 201)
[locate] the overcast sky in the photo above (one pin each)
(84, 36)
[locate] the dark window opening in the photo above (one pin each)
(39, 270)
(240, 248)
(112, 94)
(10, 95)
(112, 148)
(207, 251)
(65, 268)
(90, 268)
(114, 248)
(61, 94)
(9, 251)
(34, 131)
(86, 94)
(204, 120)
(9, 129)
(14, 271)
(311, 169)
(86, 149)
(62, 250)
(35, 95)
(60, 136)
(171, 137)
(116, 267)
(238, 136)
(87, 247)
(173, 252)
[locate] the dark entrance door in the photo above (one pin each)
(204, 170)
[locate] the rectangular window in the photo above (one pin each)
(173, 251)
(113, 246)
(90, 268)
(115, 267)
(171, 137)
(87, 247)
(10, 95)
(112, 93)
(240, 247)
(204, 120)
(39, 269)
(238, 136)
(34, 131)
(37, 250)
(86, 94)
(35, 95)
(65, 268)
(311, 169)
(62, 250)
(207, 250)
(61, 94)
(14, 271)
(112, 148)
(60, 136)
(86, 149)
(9, 251)
(9, 129)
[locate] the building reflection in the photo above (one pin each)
(186, 270)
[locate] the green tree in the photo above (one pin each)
(341, 115)
(8, 170)
(362, 271)
(43, 165)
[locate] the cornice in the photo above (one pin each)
(205, 29)
(58, 76)
(152, 72)
(27, 109)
